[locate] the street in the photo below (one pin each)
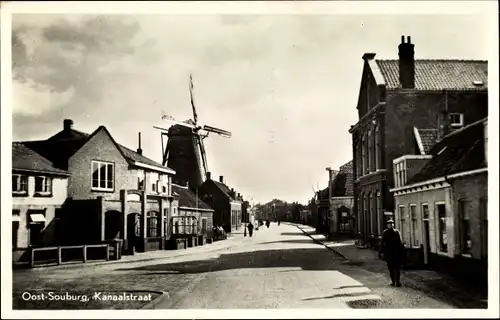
(279, 267)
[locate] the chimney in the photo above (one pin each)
(221, 179)
(209, 176)
(406, 63)
(68, 124)
(139, 150)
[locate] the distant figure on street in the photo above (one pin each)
(392, 251)
(278, 222)
(250, 229)
(268, 223)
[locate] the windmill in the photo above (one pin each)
(184, 151)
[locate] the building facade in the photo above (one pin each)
(442, 208)
(39, 191)
(194, 218)
(342, 218)
(114, 193)
(395, 97)
(225, 202)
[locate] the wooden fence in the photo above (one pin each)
(49, 256)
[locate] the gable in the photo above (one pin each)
(100, 146)
(368, 92)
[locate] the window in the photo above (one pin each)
(373, 221)
(15, 230)
(363, 156)
(204, 225)
(164, 189)
(465, 228)
(378, 213)
(425, 211)
(19, 184)
(414, 224)
(370, 151)
(153, 187)
(140, 179)
(456, 119)
(152, 224)
(402, 224)
(377, 147)
(103, 176)
(443, 237)
(43, 185)
(483, 213)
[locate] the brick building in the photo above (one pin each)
(227, 204)
(397, 98)
(113, 191)
(194, 218)
(441, 201)
(342, 201)
(39, 190)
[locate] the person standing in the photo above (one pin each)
(250, 229)
(392, 251)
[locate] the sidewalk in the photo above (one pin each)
(427, 281)
(151, 255)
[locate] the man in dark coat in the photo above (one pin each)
(393, 251)
(250, 229)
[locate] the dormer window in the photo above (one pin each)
(456, 120)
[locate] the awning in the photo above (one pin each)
(37, 217)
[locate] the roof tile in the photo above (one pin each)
(24, 158)
(459, 151)
(439, 74)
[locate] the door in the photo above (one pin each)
(427, 242)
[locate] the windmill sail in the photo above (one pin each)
(195, 115)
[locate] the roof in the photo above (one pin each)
(61, 146)
(23, 158)
(426, 139)
(187, 198)
(437, 74)
(459, 151)
(343, 183)
(225, 189)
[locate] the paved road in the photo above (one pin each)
(278, 267)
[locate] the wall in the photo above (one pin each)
(100, 147)
(30, 202)
(335, 204)
(236, 205)
(430, 197)
(406, 109)
(472, 189)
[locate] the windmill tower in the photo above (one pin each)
(185, 151)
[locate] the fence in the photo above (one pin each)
(49, 256)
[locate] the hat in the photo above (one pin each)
(390, 221)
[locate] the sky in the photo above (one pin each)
(286, 86)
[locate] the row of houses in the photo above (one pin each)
(419, 157)
(76, 188)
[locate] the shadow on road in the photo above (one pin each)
(293, 234)
(306, 259)
(301, 241)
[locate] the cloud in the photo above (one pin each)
(65, 58)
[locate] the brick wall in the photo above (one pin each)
(100, 147)
(408, 109)
(472, 189)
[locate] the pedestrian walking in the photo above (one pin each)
(268, 223)
(392, 251)
(250, 229)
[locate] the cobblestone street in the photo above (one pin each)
(279, 267)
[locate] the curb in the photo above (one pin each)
(324, 245)
(156, 301)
